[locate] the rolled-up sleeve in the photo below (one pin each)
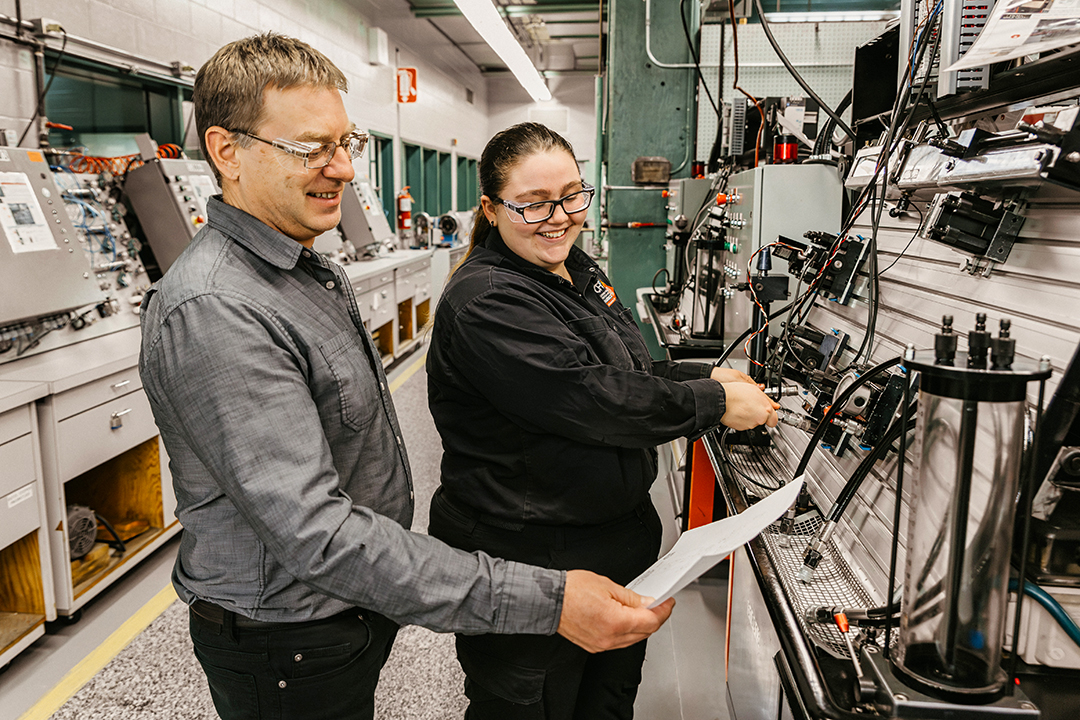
(230, 384)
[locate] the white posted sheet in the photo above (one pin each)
(1017, 28)
(701, 548)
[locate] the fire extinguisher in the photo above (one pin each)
(404, 211)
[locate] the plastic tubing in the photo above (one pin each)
(1051, 606)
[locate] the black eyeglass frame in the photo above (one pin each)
(519, 210)
(305, 150)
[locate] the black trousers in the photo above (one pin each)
(539, 677)
(293, 671)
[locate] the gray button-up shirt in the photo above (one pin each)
(291, 481)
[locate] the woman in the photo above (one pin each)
(550, 409)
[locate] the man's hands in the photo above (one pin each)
(746, 406)
(598, 614)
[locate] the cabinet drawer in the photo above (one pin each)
(14, 423)
(379, 306)
(361, 286)
(405, 287)
(84, 397)
(18, 514)
(383, 315)
(16, 464)
(88, 439)
(413, 267)
(423, 292)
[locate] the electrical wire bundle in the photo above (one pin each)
(77, 162)
(871, 196)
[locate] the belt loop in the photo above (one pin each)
(560, 538)
(228, 626)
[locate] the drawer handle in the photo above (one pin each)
(117, 420)
(121, 384)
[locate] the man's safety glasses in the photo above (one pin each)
(316, 155)
(538, 212)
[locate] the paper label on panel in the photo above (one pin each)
(20, 496)
(21, 218)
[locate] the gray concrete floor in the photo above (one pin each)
(683, 674)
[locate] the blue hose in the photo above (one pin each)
(1052, 606)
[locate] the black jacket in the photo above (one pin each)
(547, 400)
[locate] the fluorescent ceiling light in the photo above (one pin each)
(832, 16)
(486, 20)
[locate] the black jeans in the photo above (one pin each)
(548, 677)
(298, 671)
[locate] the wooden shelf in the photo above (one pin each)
(133, 550)
(22, 597)
(126, 487)
(423, 314)
(384, 340)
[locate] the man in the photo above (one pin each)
(291, 478)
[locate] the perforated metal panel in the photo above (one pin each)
(823, 53)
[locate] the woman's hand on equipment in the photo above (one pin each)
(598, 614)
(747, 407)
(726, 375)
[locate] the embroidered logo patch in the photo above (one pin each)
(606, 292)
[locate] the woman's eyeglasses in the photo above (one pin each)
(538, 212)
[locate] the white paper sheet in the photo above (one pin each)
(1023, 27)
(21, 220)
(701, 548)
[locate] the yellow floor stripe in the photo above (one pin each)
(408, 372)
(92, 664)
(100, 657)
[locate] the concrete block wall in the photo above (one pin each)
(191, 31)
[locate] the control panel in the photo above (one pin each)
(169, 199)
(44, 270)
(362, 220)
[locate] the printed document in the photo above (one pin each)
(701, 548)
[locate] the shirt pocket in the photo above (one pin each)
(604, 341)
(353, 378)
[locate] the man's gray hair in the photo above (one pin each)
(229, 87)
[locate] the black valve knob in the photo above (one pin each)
(945, 343)
(1002, 348)
(978, 343)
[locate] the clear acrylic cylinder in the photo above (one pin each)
(968, 459)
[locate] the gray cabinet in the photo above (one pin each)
(100, 449)
(26, 587)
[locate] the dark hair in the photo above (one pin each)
(229, 87)
(502, 154)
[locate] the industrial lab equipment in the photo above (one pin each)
(362, 220)
(43, 269)
(969, 465)
(169, 199)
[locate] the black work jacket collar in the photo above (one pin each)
(576, 262)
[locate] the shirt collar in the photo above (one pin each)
(272, 246)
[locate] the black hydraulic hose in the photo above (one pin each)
(863, 470)
(824, 138)
(739, 340)
(837, 403)
(795, 73)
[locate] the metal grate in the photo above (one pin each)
(759, 470)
